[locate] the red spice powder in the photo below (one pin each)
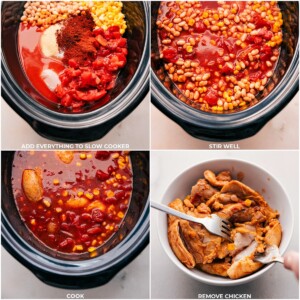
(76, 39)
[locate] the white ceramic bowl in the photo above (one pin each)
(254, 176)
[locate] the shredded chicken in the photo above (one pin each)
(255, 226)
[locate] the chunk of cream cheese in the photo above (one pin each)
(50, 78)
(48, 42)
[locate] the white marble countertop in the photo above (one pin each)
(282, 132)
(167, 281)
(130, 283)
(133, 130)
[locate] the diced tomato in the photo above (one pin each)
(170, 54)
(228, 68)
(89, 79)
(73, 63)
(254, 76)
(265, 53)
(199, 27)
(66, 100)
(260, 22)
(90, 95)
(98, 31)
(122, 42)
(211, 97)
(163, 34)
(101, 40)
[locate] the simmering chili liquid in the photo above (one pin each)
(102, 179)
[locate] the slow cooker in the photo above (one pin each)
(46, 119)
(279, 91)
(75, 272)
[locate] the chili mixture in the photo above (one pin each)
(219, 54)
(73, 202)
(73, 51)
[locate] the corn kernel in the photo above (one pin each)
(120, 215)
(189, 49)
(115, 155)
(82, 156)
(94, 242)
(91, 249)
(248, 202)
(47, 202)
(58, 209)
(78, 248)
(89, 155)
(110, 193)
(216, 17)
(118, 176)
(89, 195)
(80, 193)
(78, 164)
(191, 22)
(55, 181)
(65, 193)
(93, 254)
(230, 247)
(96, 192)
(33, 222)
(205, 14)
(60, 202)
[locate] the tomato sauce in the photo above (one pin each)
(34, 62)
(84, 200)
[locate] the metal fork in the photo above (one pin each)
(214, 224)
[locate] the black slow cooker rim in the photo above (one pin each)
(263, 111)
(120, 255)
(128, 99)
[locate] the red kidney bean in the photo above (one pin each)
(97, 215)
(102, 155)
(67, 242)
(84, 237)
(102, 176)
(123, 206)
(70, 215)
(120, 194)
(86, 217)
(65, 226)
(94, 230)
(110, 200)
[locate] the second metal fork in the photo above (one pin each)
(214, 224)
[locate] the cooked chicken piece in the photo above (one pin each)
(218, 181)
(216, 268)
(32, 185)
(242, 240)
(201, 192)
(243, 268)
(247, 252)
(222, 198)
(274, 233)
(96, 204)
(177, 244)
(243, 264)
(200, 243)
(178, 205)
(65, 156)
(203, 209)
(76, 202)
(243, 192)
(230, 209)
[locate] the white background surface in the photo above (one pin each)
(133, 130)
(20, 283)
(282, 132)
(168, 282)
